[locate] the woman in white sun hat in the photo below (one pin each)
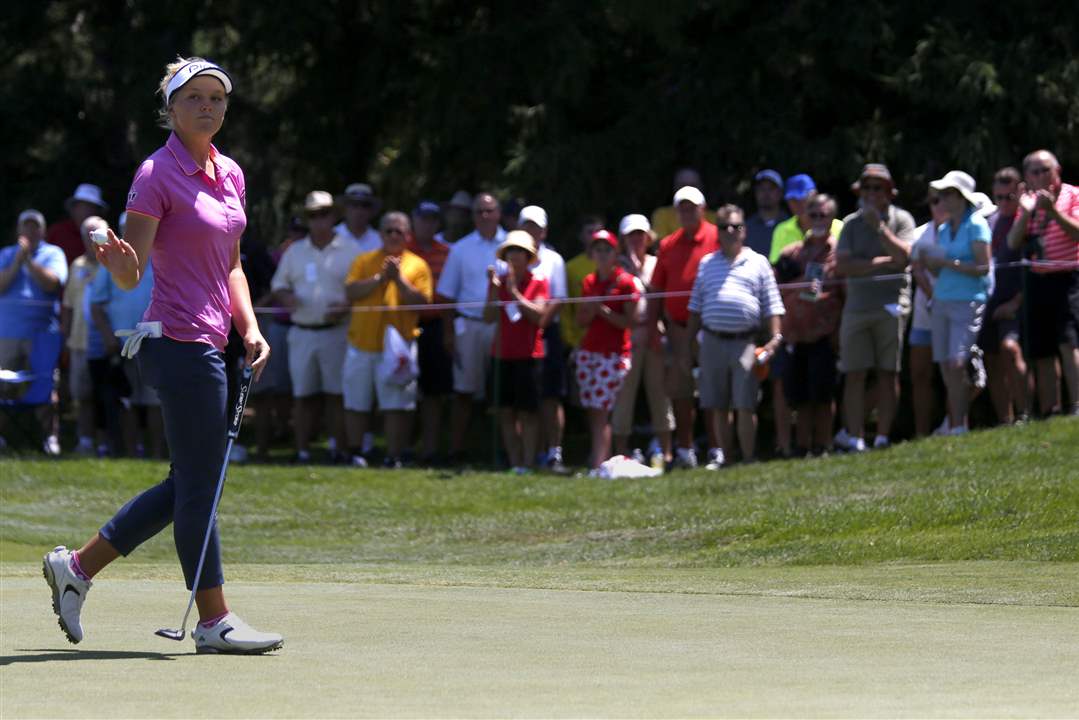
(961, 290)
(186, 215)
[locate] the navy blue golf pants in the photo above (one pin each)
(190, 380)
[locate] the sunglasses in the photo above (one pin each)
(732, 227)
(316, 214)
(817, 216)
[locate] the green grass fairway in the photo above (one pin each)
(419, 649)
(938, 578)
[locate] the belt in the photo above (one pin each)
(323, 326)
(743, 335)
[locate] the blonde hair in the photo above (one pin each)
(163, 119)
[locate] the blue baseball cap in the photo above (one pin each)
(771, 176)
(799, 187)
(427, 207)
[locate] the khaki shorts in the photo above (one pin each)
(78, 375)
(361, 385)
(680, 384)
(726, 377)
(316, 359)
(871, 340)
(472, 344)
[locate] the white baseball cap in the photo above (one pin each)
(631, 223)
(689, 194)
(317, 200)
(34, 215)
(533, 214)
(193, 69)
(87, 193)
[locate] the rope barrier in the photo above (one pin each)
(479, 305)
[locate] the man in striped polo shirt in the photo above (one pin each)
(734, 294)
(1047, 228)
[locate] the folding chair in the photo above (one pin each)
(39, 381)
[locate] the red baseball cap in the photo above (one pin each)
(603, 236)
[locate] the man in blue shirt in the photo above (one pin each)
(32, 277)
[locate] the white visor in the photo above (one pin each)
(192, 69)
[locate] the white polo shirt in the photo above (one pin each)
(316, 277)
(551, 266)
(464, 276)
(368, 242)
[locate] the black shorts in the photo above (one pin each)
(436, 366)
(1052, 312)
(994, 332)
(809, 373)
(554, 383)
(518, 383)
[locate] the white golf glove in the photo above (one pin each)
(134, 338)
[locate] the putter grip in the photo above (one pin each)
(241, 403)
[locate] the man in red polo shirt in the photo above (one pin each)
(676, 268)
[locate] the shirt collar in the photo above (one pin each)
(183, 157)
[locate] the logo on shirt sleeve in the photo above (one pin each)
(131, 197)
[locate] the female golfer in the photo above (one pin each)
(186, 212)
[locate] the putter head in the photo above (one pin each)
(172, 634)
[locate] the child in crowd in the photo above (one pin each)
(518, 346)
(603, 360)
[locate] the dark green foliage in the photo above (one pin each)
(580, 105)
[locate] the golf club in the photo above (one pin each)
(234, 431)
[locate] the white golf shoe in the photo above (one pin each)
(232, 635)
(68, 591)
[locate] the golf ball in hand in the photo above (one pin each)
(101, 237)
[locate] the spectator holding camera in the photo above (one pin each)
(811, 326)
(516, 302)
(873, 253)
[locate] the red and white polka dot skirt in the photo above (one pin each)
(600, 377)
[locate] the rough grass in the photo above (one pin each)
(1009, 494)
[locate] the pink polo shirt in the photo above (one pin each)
(200, 223)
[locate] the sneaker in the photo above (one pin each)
(658, 462)
(716, 459)
(945, 428)
(51, 446)
(392, 463)
(521, 470)
(842, 439)
(685, 458)
(359, 461)
(960, 430)
(68, 591)
(85, 446)
(638, 456)
(554, 462)
(880, 442)
(856, 445)
(231, 635)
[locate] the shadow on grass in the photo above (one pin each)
(64, 654)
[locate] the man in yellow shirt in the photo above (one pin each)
(665, 219)
(390, 277)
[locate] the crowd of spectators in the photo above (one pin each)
(377, 317)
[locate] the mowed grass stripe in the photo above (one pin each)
(1007, 494)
